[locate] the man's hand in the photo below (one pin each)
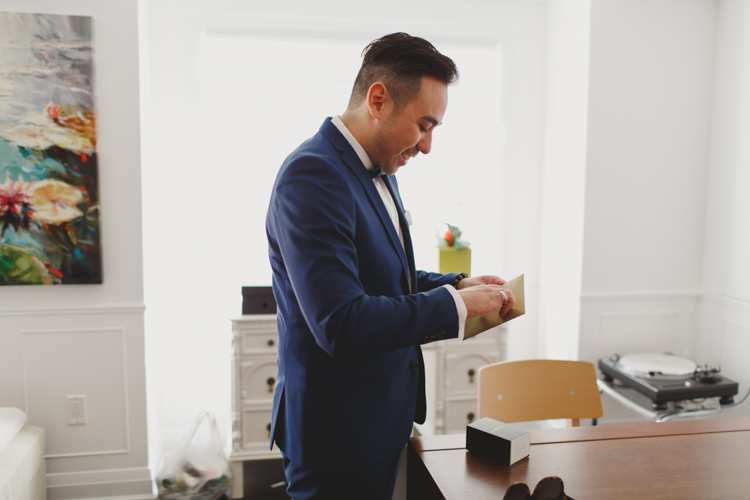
(484, 294)
(480, 280)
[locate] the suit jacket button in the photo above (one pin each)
(415, 365)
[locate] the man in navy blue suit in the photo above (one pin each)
(352, 308)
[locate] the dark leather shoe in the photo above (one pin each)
(550, 488)
(517, 491)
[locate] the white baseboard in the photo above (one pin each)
(127, 497)
(116, 484)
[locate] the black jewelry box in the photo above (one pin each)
(497, 441)
(258, 300)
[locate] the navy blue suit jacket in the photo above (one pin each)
(350, 373)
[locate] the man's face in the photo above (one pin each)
(402, 136)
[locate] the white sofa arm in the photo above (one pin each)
(22, 468)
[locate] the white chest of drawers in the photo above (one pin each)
(254, 346)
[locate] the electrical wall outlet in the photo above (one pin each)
(77, 410)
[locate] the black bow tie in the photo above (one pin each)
(375, 172)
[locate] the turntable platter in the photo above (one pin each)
(657, 364)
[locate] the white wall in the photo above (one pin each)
(564, 179)
(723, 313)
(88, 339)
(524, 36)
(651, 67)
(189, 341)
(726, 266)
(627, 138)
(649, 119)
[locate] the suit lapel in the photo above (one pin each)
(392, 185)
(352, 161)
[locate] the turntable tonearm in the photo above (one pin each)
(665, 377)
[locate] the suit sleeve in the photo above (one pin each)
(312, 220)
(429, 281)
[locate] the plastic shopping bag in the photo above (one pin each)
(198, 469)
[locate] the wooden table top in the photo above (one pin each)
(698, 459)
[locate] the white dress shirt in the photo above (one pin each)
(390, 206)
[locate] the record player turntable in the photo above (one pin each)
(665, 377)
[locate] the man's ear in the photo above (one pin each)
(378, 100)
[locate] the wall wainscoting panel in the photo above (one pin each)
(90, 364)
(627, 332)
(735, 350)
(49, 355)
(626, 323)
(723, 338)
(723, 334)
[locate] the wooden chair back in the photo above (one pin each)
(539, 389)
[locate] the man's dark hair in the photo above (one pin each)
(399, 61)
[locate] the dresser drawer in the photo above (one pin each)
(462, 369)
(252, 342)
(256, 427)
(257, 378)
(459, 412)
(255, 323)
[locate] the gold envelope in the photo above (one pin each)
(479, 324)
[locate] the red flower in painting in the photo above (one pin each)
(15, 204)
(13, 195)
(53, 111)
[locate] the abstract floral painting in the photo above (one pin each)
(49, 197)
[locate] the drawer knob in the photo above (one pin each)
(471, 374)
(470, 417)
(271, 342)
(268, 429)
(271, 381)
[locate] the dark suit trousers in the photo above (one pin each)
(376, 482)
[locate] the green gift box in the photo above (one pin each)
(455, 261)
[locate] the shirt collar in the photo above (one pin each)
(336, 120)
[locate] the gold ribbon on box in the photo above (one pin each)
(492, 319)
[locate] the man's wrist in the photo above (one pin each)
(458, 279)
